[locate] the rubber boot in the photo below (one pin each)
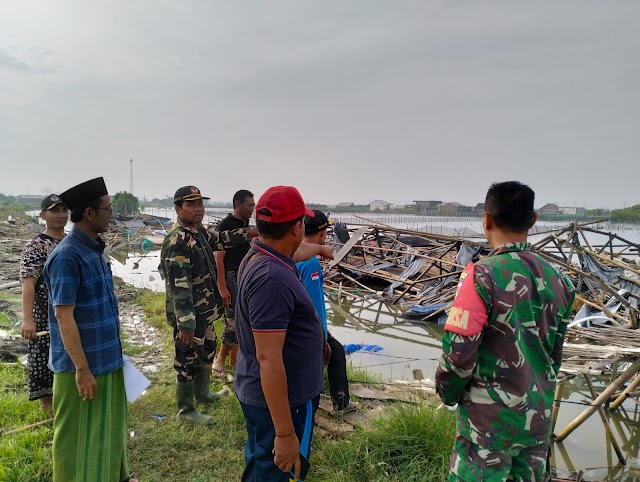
(201, 386)
(186, 410)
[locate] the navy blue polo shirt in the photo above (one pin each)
(272, 298)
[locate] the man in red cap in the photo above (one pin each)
(281, 340)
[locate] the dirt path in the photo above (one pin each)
(138, 333)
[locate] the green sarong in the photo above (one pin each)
(90, 438)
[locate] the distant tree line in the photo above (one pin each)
(125, 203)
(630, 214)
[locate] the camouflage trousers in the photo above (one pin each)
(472, 463)
(229, 337)
(189, 360)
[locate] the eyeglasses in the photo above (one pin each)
(108, 208)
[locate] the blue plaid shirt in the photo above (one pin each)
(77, 274)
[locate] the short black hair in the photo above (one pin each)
(78, 213)
(241, 196)
(510, 204)
(275, 230)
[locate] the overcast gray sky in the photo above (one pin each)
(347, 100)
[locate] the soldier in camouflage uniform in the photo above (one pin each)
(193, 302)
(502, 348)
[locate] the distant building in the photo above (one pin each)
(450, 208)
(549, 209)
(572, 211)
(379, 205)
(345, 205)
(427, 204)
(455, 208)
(479, 208)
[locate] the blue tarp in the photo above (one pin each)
(350, 348)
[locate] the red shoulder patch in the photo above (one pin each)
(468, 315)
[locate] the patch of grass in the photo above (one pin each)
(129, 349)
(5, 321)
(153, 305)
(357, 374)
(11, 298)
(172, 450)
(24, 456)
(17, 210)
(411, 442)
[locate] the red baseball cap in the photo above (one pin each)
(280, 204)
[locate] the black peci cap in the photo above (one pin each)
(84, 193)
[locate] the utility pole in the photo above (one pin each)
(131, 176)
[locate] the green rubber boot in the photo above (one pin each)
(186, 410)
(201, 386)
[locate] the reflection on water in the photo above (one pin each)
(406, 345)
(590, 448)
(138, 267)
(409, 345)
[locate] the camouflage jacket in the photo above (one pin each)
(502, 347)
(187, 267)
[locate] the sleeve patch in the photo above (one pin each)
(468, 315)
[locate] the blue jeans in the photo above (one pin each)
(258, 452)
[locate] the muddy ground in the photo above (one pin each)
(136, 331)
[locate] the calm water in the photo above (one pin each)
(409, 345)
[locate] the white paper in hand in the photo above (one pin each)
(134, 381)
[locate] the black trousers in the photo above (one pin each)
(337, 374)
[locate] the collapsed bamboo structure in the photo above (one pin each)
(419, 271)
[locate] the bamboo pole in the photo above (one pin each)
(419, 255)
(441, 310)
(565, 456)
(13, 284)
(594, 305)
(26, 427)
(607, 428)
(604, 396)
(557, 398)
(623, 396)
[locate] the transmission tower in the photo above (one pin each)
(131, 176)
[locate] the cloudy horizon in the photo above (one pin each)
(348, 101)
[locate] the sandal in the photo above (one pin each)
(351, 407)
(219, 373)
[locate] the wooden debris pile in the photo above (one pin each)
(403, 265)
(604, 268)
(421, 270)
